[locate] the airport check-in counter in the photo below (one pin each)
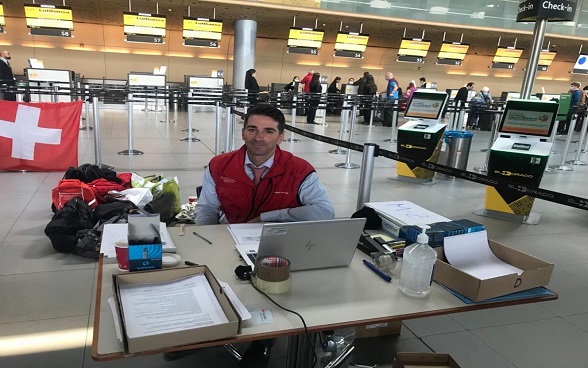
(50, 85)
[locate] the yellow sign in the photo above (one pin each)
(350, 38)
(2, 21)
(507, 55)
(451, 55)
(144, 24)
(48, 16)
(546, 57)
(194, 24)
(458, 48)
(306, 34)
(48, 12)
(144, 20)
(415, 45)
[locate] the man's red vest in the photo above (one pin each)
(241, 201)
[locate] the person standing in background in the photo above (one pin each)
(370, 89)
(6, 76)
(423, 82)
(333, 90)
(292, 85)
(252, 87)
(306, 81)
(391, 95)
(409, 91)
(462, 93)
(314, 98)
(350, 81)
(575, 101)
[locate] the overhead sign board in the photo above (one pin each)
(507, 55)
(305, 40)
(144, 27)
(452, 53)
(202, 32)
(2, 21)
(581, 66)
(351, 44)
(413, 50)
(49, 20)
(551, 10)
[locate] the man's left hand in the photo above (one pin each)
(256, 219)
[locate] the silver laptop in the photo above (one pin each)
(308, 245)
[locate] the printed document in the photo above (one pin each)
(246, 233)
(471, 254)
(179, 305)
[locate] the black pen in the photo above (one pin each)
(201, 237)
(190, 263)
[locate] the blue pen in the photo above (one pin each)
(378, 272)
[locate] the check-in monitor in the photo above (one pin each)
(426, 105)
(525, 117)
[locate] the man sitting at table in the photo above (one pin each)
(260, 182)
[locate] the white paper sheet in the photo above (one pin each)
(407, 212)
(246, 233)
(179, 305)
(116, 317)
(471, 254)
(115, 232)
(241, 310)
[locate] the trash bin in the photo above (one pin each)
(456, 149)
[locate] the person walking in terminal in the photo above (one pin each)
(306, 81)
(314, 98)
(252, 87)
(370, 89)
(333, 91)
(391, 95)
(6, 76)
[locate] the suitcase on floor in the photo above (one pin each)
(485, 122)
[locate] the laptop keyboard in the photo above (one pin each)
(252, 257)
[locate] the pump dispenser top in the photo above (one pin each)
(423, 238)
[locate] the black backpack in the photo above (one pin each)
(87, 173)
(63, 228)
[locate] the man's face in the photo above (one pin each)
(261, 136)
(5, 55)
(471, 87)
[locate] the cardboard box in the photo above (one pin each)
(424, 360)
(537, 272)
(192, 336)
(378, 329)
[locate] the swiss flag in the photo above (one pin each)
(39, 136)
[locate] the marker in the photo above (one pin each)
(190, 263)
(201, 237)
(376, 270)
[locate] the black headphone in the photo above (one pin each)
(244, 272)
(329, 345)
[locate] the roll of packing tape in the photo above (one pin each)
(272, 274)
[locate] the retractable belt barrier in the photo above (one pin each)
(547, 195)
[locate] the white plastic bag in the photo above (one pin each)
(139, 196)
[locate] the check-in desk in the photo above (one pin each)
(519, 159)
(50, 85)
(422, 142)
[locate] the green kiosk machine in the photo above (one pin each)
(519, 154)
(422, 134)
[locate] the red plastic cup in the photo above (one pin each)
(192, 199)
(122, 255)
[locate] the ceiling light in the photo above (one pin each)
(439, 10)
(380, 4)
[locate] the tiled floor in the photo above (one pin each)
(46, 298)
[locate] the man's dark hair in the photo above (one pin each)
(423, 79)
(365, 74)
(269, 111)
(471, 84)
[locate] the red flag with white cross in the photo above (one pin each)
(39, 136)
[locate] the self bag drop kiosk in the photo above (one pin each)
(422, 134)
(519, 154)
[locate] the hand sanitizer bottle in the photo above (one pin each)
(418, 261)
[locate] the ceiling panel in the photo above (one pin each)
(274, 22)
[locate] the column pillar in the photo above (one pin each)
(244, 50)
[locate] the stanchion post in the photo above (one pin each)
(348, 164)
(228, 129)
(342, 125)
(293, 119)
(562, 166)
(130, 150)
(54, 95)
(86, 96)
(97, 138)
(366, 175)
(189, 138)
(460, 106)
(494, 132)
(576, 160)
(217, 131)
